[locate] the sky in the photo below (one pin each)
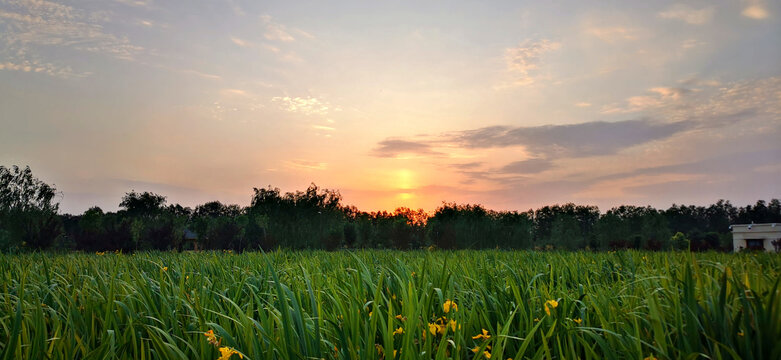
(509, 104)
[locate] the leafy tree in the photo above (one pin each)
(28, 213)
(142, 204)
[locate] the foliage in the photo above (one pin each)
(316, 218)
(28, 213)
(373, 304)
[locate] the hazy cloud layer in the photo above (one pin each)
(688, 14)
(31, 28)
(396, 148)
(576, 140)
(531, 166)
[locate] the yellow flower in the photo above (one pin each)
(413, 274)
(394, 353)
(165, 268)
(227, 352)
(393, 296)
(487, 354)
(452, 324)
(650, 357)
(399, 317)
(484, 335)
(370, 313)
(211, 338)
(577, 321)
(550, 304)
(448, 305)
(475, 349)
(536, 319)
(741, 333)
(434, 328)
(398, 331)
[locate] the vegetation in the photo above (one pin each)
(317, 219)
(371, 304)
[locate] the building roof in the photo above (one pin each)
(769, 227)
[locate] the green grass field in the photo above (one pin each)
(377, 304)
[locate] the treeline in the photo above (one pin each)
(317, 219)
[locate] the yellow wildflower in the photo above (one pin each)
(370, 313)
(449, 305)
(398, 331)
(577, 321)
(394, 353)
(475, 349)
(211, 338)
(165, 268)
(434, 328)
(227, 352)
(741, 333)
(487, 354)
(452, 324)
(650, 357)
(399, 317)
(484, 335)
(550, 304)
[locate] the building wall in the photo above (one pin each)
(759, 231)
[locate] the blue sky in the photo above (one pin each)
(509, 104)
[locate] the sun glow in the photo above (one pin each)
(405, 196)
(405, 179)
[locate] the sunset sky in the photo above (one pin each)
(513, 104)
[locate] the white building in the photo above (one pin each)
(756, 237)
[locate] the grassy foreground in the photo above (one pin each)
(377, 304)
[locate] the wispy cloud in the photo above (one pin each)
(530, 166)
(29, 29)
(546, 142)
(755, 9)
(303, 105)
(575, 140)
(45, 23)
(285, 56)
(655, 97)
(146, 4)
(612, 34)
(35, 66)
(307, 165)
(524, 60)
(394, 148)
(275, 31)
(688, 14)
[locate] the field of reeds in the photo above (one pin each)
(390, 304)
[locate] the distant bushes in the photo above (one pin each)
(316, 219)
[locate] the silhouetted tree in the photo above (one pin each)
(28, 213)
